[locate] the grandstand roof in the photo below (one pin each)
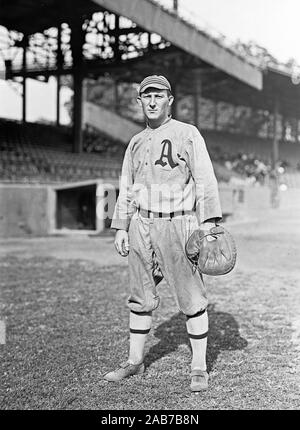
(29, 17)
(225, 75)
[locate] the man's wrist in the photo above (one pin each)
(208, 224)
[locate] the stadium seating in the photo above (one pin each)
(39, 153)
(230, 144)
(250, 156)
(42, 153)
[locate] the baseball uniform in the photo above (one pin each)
(167, 188)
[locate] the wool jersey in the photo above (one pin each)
(167, 169)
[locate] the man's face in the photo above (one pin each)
(156, 104)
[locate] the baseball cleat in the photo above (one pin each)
(199, 380)
(124, 371)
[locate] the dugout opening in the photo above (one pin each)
(83, 207)
(76, 208)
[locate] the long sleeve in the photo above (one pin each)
(206, 187)
(124, 208)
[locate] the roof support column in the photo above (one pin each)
(150, 45)
(59, 64)
(77, 40)
(24, 69)
(58, 86)
(116, 46)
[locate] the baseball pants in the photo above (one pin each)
(157, 251)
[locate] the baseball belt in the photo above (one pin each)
(149, 214)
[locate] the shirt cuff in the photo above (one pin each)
(120, 224)
(208, 213)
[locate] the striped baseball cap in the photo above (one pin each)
(155, 81)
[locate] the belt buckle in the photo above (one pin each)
(150, 214)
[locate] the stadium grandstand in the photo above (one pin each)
(247, 108)
(38, 153)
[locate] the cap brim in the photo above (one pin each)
(158, 86)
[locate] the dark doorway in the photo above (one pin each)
(76, 208)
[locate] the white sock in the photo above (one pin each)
(197, 328)
(140, 325)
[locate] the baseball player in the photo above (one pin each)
(167, 190)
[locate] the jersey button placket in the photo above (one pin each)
(148, 150)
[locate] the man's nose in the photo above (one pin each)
(152, 101)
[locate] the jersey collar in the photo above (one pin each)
(162, 125)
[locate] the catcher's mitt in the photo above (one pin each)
(212, 252)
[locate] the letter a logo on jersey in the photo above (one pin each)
(166, 153)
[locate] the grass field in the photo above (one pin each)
(64, 304)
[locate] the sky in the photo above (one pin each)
(273, 24)
(41, 101)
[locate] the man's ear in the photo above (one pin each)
(171, 99)
(139, 101)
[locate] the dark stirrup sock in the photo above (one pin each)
(142, 314)
(198, 336)
(137, 331)
(198, 314)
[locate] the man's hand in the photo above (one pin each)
(206, 226)
(122, 242)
